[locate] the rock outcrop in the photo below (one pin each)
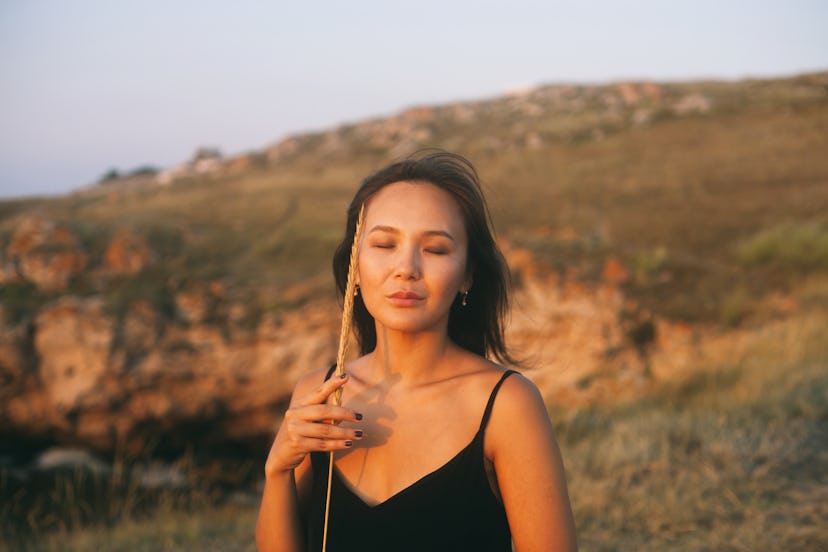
(73, 340)
(84, 370)
(127, 253)
(45, 253)
(136, 380)
(109, 384)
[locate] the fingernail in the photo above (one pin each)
(343, 375)
(358, 433)
(349, 443)
(358, 416)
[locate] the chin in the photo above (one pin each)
(409, 323)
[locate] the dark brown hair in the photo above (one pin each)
(478, 326)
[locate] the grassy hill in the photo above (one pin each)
(711, 194)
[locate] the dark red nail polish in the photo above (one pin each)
(343, 375)
(358, 416)
(358, 433)
(349, 443)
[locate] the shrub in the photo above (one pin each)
(149, 285)
(109, 176)
(800, 246)
(20, 300)
(144, 170)
(648, 263)
(734, 308)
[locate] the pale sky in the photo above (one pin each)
(86, 85)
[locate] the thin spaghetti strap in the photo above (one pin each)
(330, 372)
(489, 405)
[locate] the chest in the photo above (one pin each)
(405, 441)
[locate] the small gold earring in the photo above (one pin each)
(465, 300)
(356, 290)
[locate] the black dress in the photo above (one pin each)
(452, 508)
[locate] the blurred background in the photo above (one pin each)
(174, 178)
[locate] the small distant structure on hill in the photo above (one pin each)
(205, 160)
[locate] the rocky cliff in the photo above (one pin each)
(78, 373)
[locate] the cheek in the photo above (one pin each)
(451, 275)
(369, 271)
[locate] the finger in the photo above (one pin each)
(321, 393)
(324, 413)
(328, 444)
(332, 432)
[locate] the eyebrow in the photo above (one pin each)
(392, 230)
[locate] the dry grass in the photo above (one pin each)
(125, 504)
(690, 192)
(730, 459)
(213, 530)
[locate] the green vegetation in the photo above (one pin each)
(790, 246)
(113, 175)
(734, 308)
(150, 286)
(19, 300)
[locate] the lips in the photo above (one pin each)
(405, 299)
(405, 295)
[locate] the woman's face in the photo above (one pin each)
(412, 262)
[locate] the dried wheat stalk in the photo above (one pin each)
(344, 333)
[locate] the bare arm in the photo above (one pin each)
(305, 428)
(530, 473)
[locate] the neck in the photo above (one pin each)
(410, 358)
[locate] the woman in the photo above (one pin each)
(429, 309)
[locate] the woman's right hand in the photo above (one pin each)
(307, 427)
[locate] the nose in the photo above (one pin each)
(407, 264)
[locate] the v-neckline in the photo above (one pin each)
(408, 488)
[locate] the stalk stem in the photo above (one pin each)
(344, 333)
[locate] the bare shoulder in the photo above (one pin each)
(516, 393)
(517, 389)
(521, 446)
(479, 368)
(519, 412)
(519, 392)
